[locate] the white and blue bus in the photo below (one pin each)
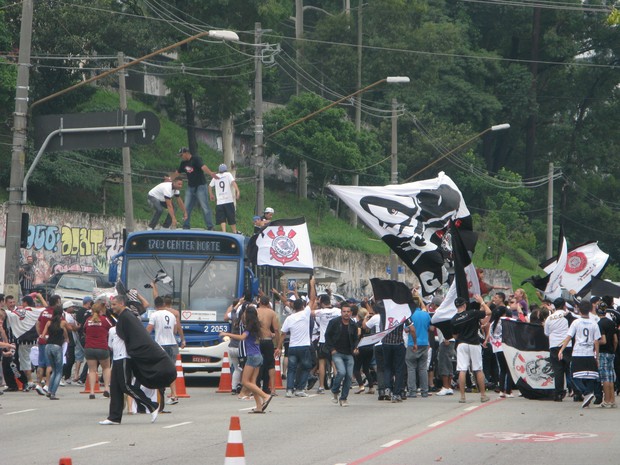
(204, 271)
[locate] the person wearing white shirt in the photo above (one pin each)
(160, 197)
(226, 192)
(298, 326)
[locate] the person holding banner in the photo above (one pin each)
(466, 325)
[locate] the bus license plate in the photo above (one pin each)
(200, 359)
(216, 329)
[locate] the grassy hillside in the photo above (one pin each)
(160, 158)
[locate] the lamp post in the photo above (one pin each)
(13, 224)
(497, 127)
(390, 80)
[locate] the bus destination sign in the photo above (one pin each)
(183, 244)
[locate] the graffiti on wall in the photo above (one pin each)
(61, 241)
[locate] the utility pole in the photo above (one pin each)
(355, 179)
(394, 178)
(299, 33)
(127, 184)
(18, 155)
(358, 99)
(258, 121)
(550, 213)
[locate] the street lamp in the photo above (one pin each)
(497, 127)
(260, 189)
(18, 157)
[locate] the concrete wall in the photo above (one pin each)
(357, 270)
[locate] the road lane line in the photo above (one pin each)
(391, 443)
(88, 446)
(179, 424)
(437, 423)
(473, 407)
(21, 411)
(384, 450)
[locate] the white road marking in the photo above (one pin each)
(437, 423)
(391, 443)
(246, 409)
(21, 411)
(473, 407)
(91, 445)
(179, 424)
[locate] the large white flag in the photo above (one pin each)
(582, 264)
(285, 244)
(411, 219)
(554, 286)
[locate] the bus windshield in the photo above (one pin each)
(197, 284)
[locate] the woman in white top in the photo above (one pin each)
(495, 338)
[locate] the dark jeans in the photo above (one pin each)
(159, 208)
(394, 367)
(381, 383)
(561, 368)
(505, 381)
(363, 363)
(489, 365)
(298, 356)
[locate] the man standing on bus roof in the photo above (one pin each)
(227, 192)
(160, 197)
(195, 170)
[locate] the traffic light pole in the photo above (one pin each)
(18, 155)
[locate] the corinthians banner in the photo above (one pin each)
(527, 353)
(285, 244)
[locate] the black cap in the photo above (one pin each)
(183, 150)
(459, 301)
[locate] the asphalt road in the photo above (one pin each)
(305, 431)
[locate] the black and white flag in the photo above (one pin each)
(465, 284)
(397, 299)
(412, 219)
(526, 349)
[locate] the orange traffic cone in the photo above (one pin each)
(65, 461)
(225, 376)
(278, 374)
(180, 382)
(235, 455)
(20, 385)
(87, 386)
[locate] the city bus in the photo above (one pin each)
(203, 271)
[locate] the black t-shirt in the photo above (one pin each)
(466, 325)
(608, 329)
(343, 343)
(193, 169)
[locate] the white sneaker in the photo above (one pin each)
(289, 393)
(62, 383)
(445, 392)
(172, 401)
(301, 394)
(108, 422)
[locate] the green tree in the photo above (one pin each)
(327, 141)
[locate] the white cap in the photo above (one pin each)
(67, 304)
(269, 210)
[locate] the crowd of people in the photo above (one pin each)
(319, 345)
(47, 344)
(53, 343)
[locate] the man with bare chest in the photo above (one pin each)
(269, 329)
